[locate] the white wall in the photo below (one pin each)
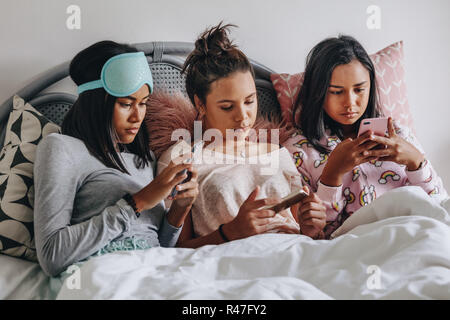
(279, 34)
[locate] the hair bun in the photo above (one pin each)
(87, 64)
(214, 41)
(213, 58)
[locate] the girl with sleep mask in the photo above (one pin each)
(95, 188)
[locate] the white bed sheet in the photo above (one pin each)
(21, 279)
(404, 237)
(396, 248)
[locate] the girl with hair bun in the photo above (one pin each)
(233, 188)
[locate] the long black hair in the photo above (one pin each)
(90, 118)
(320, 63)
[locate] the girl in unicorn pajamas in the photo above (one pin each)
(345, 170)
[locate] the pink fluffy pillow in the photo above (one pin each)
(390, 76)
(167, 112)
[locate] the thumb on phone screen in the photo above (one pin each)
(294, 208)
(306, 189)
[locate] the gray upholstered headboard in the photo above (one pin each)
(165, 59)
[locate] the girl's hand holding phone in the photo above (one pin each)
(347, 155)
(312, 216)
(161, 187)
(185, 197)
(187, 192)
(175, 176)
(253, 218)
(396, 149)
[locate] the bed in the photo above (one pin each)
(398, 247)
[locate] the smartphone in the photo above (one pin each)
(378, 126)
(287, 202)
(189, 174)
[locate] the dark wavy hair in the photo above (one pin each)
(214, 57)
(90, 118)
(320, 63)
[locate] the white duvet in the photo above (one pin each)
(396, 248)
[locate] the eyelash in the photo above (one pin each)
(358, 90)
(230, 107)
(128, 105)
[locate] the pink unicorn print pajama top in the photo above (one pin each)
(361, 185)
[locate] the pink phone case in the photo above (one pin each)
(379, 126)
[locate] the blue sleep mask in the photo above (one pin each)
(122, 75)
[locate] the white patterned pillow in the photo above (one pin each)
(25, 128)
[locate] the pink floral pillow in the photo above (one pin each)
(390, 76)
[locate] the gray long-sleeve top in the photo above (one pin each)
(78, 205)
